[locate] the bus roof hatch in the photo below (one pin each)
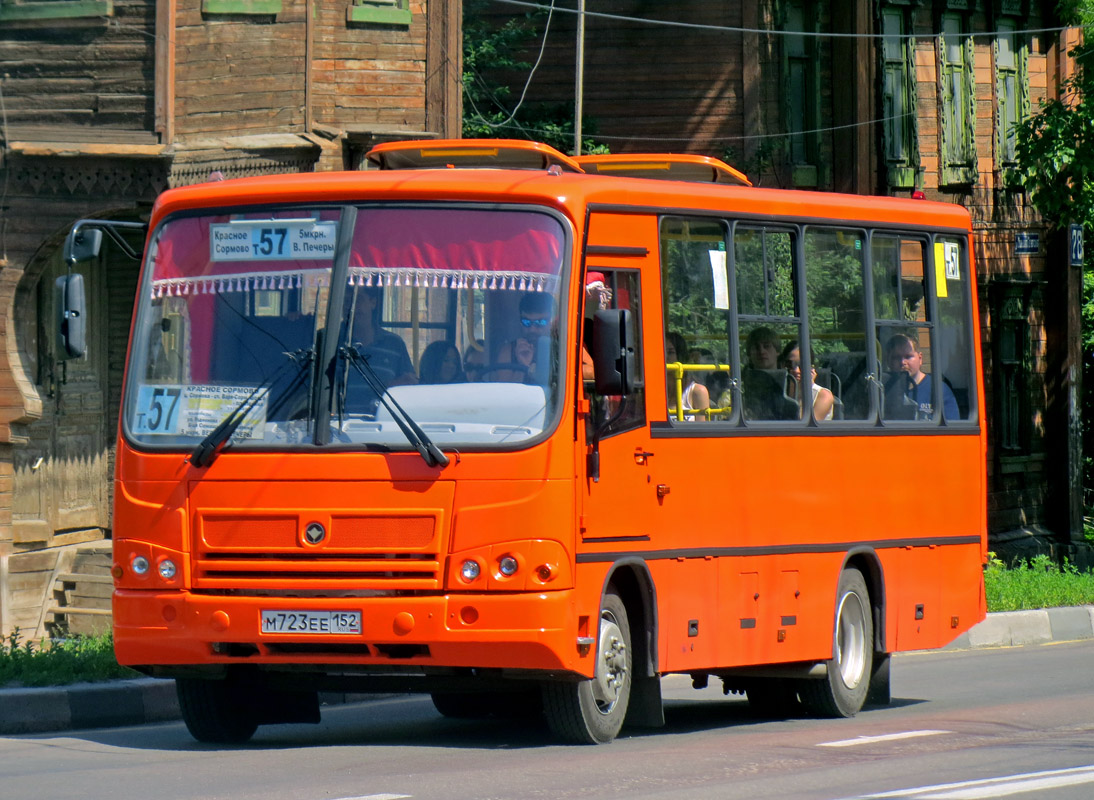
(469, 154)
(664, 166)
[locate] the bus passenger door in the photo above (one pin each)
(620, 508)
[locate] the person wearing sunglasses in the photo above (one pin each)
(538, 314)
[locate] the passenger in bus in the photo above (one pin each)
(721, 396)
(694, 395)
(516, 360)
(386, 352)
(701, 355)
(908, 390)
(823, 400)
(763, 383)
(474, 361)
(762, 347)
(440, 363)
(598, 297)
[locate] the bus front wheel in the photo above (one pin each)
(842, 692)
(213, 711)
(592, 712)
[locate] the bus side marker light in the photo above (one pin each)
(403, 623)
(470, 570)
(469, 615)
(781, 636)
(220, 621)
(117, 571)
(954, 621)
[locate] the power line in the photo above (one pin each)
(775, 32)
(531, 73)
(743, 138)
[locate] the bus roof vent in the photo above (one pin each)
(664, 166)
(469, 154)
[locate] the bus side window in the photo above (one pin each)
(769, 321)
(617, 289)
(834, 279)
(953, 348)
(695, 289)
(905, 332)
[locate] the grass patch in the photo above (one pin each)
(53, 662)
(1037, 583)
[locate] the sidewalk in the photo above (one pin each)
(115, 703)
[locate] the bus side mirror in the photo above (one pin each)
(68, 296)
(82, 244)
(613, 352)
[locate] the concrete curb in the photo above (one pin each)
(1014, 628)
(135, 702)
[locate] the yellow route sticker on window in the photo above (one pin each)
(940, 269)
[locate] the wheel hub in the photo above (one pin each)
(851, 640)
(611, 667)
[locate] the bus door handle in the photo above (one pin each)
(641, 457)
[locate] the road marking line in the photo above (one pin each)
(378, 797)
(889, 737)
(988, 788)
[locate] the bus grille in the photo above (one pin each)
(267, 555)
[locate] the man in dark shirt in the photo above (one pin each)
(386, 352)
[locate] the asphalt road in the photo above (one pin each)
(1014, 722)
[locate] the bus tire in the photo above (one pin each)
(842, 692)
(213, 711)
(592, 711)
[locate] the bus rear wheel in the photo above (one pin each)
(842, 692)
(592, 712)
(213, 711)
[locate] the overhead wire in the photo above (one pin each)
(531, 73)
(772, 31)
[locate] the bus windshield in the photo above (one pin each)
(437, 304)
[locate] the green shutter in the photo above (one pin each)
(58, 9)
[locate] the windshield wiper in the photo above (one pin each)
(209, 448)
(429, 452)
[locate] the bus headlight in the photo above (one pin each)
(140, 565)
(470, 570)
(168, 569)
(507, 566)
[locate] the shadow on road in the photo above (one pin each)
(411, 721)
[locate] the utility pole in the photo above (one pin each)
(579, 81)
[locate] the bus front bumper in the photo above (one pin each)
(523, 631)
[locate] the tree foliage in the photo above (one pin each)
(493, 63)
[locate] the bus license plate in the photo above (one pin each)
(345, 623)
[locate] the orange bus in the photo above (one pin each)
(529, 435)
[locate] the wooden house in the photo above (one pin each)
(103, 104)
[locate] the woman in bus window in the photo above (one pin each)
(823, 400)
(440, 363)
(695, 396)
